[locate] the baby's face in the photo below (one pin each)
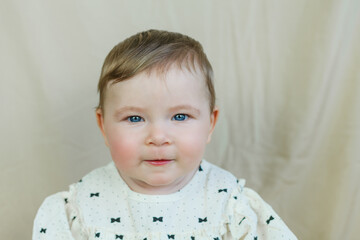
(156, 128)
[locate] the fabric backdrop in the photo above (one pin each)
(287, 79)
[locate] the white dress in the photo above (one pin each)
(213, 205)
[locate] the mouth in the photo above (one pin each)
(158, 162)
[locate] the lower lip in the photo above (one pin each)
(158, 162)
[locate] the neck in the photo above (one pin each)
(145, 188)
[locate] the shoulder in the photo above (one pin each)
(59, 213)
(51, 220)
(53, 204)
(218, 177)
(249, 215)
(99, 174)
(94, 181)
(216, 187)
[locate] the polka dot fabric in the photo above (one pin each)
(213, 205)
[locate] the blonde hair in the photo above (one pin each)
(154, 49)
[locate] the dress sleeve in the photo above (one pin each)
(251, 218)
(52, 221)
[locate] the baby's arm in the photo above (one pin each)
(270, 225)
(254, 219)
(51, 221)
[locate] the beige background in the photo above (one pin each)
(287, 78)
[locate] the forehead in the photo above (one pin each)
(175, 83)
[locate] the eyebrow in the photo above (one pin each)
(129, 108)
(185, 107)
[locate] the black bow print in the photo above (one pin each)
(171, 236)
(66, 200)
(222, 190)
(43, 230)
(97, 235)
(216, 238)
(202, 220)
(271, 218)
(200, 169)
(115, 220)
(192, 238)
(119, 236)
(255, 238)
(155, 219)
(94, 194)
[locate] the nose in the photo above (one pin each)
(157, 136)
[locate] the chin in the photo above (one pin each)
(160, 181)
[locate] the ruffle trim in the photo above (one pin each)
(241, 220)
(75, 219)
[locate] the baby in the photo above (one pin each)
(157, 113)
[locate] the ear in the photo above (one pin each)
(213, 119)
(100, 122)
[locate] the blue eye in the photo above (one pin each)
(180, 117)
(134, 119)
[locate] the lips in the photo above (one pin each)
(158, 162)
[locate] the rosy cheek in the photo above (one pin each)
(124, 150)
(192, 145)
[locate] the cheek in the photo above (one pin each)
(123, 148)
(192, 143)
